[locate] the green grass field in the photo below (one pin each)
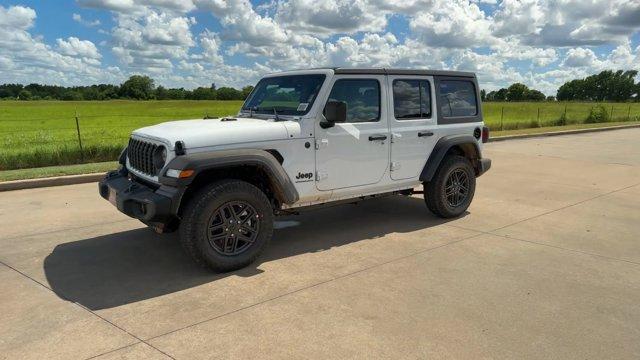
(523, 115)
(44, 133)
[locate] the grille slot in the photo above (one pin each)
(140, 155)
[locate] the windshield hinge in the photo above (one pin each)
(322, 143)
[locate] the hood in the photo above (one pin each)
(214, 132)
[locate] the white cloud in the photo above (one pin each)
(243, 24)
(490, 69)
(72, 61)
(131, 7)
(182, 6)
(114, 5)
(79, 19)
(511, 49)
(330, 16)
(210, 43)
(538, 42)
(518, 17)
(78, 48)
(166, 30)
(18, 17)
(150, 41)
(452, 24)
(590, 23)
(580, 57)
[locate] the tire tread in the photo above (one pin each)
(433, 188)
(188, 227)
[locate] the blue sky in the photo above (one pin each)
(190, 43)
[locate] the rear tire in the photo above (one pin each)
(451, 190)
(226, 225)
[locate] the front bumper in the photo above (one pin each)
(139, 200)
(483, 165)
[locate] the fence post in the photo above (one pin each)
(79, 138)
(501, 118)
(565, 112)
(629, 114)
(538, 118)
(611, 112)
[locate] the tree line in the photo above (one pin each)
(137, 87)
(605, 86)
(608, 85)
(515, 92)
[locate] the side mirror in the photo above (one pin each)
(334, 111)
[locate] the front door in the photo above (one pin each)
(413, 124)
(355, 152)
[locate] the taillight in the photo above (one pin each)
(485, 134)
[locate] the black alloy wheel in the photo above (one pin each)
(233, 227)
(456, 189)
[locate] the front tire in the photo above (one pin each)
(451, 190)
(226, 225)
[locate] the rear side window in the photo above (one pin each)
(411, 99)
(458, 98)
(362, 97)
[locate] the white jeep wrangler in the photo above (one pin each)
(303, 139)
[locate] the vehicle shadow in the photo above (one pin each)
(130, 266)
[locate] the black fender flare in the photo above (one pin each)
(470, 147)
(283, 187)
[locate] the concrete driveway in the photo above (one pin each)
(546, 264)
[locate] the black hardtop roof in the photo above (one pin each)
(387, 71)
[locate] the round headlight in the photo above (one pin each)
(160, 157)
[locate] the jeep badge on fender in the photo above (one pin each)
(221, 182)
(304, 177)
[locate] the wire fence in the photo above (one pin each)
(46, 141)
(511, 116)
(43, 141)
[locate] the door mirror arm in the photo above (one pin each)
(325, 124)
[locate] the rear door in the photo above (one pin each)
(412, 120)
(356, 152)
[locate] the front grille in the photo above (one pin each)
(140, 154)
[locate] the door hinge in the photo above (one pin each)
(321, 175)
(395, 165)
(322, 143)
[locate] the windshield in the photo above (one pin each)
(286, 95)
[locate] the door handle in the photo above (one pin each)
(377, 137)
(425, 133)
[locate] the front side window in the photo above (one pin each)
(458, 98)
(411, 99)
(362, 97)
(287, 95)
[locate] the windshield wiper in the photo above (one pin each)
(275, 112)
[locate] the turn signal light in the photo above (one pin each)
(179, 174)
(185, 174)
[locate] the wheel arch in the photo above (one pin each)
(463, 145)
(258, 167)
